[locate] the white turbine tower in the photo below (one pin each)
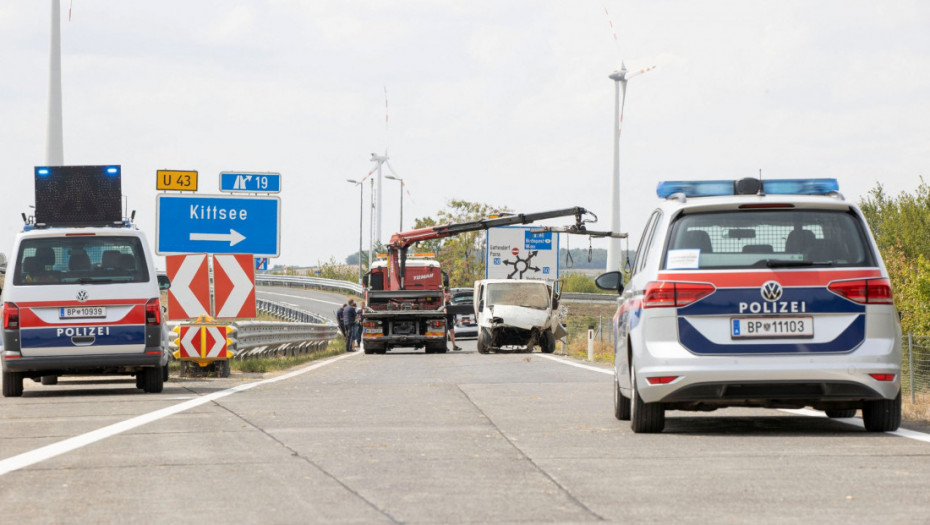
(54, 142)
(620, 78)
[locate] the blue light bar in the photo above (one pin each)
(715, 188)
(113, 170)
(695, 188)
(42, 171)
(799, 186)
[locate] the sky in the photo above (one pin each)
(503, 102)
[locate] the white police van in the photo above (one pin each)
(756, 293)
(81, 295)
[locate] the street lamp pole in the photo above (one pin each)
(401, 181)
(361, 207)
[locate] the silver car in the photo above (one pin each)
(746, 293)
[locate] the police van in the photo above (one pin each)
(756, 293)
(81, 295)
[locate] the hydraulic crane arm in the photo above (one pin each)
(397, 246)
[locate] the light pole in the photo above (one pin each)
(54, 143)
(361, 207)
(401, 181)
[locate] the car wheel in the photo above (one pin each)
(49, 380)
(621, 403)
(548, 342)
(12, 384)
(152, 381)
(484, 341)
(840, 413)
(164, 372)
(883, 415)
(645, 418)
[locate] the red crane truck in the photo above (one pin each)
(404, 302)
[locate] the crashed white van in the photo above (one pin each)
(517, 315)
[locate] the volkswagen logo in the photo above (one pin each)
(82, 295)
(771, 291)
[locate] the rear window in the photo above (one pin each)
(767, 238)
(80, 259)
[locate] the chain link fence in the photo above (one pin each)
(915, 369)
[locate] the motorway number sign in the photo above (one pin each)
(218, 224)
(176, 180)
(250, 182)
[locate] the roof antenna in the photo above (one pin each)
(760, 182)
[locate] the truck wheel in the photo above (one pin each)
(152, 381)
(621, 403)
(484, 341)
(547, 344)
(645, 418)
(883, 415)
(49, 380)
(12, 384)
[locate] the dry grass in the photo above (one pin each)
(919, 411)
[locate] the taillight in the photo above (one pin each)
(864, 291)
(660, 380)
(10, 316)
(665, 294)
(882, 377)
(440, 323)
(153, 312)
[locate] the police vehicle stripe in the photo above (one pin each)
(847, 341)
(747, 278)
(29, 319)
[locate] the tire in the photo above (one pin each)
(840, 413)
(484, 341)
(164, 373)
(883, 415)
(645, 418)
(49, 380)
(222, 368)
(368, 349)
(547, 345)
(139, 382)
(12, 384)
(152, 381)
(622, 406)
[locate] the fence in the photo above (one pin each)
(915, 369)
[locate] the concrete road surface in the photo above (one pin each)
(445, 438)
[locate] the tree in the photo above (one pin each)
(461, 256)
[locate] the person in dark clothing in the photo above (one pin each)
(348, 319)
(450, 321)
(359, 317)
(339, 321)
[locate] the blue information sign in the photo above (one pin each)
(218, 224)
(537, 241)
(246, 182)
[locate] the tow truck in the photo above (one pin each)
(404, 301)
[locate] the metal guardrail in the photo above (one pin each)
(264, 338)
(289, 313)
(573, 297)
(300, 281)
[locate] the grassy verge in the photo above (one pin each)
(919, 411)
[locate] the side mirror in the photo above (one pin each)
(610, 281)
(164, 282)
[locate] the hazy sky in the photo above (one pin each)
(502, 102)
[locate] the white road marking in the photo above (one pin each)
(55, 449)
(854, 421)
(304, 297)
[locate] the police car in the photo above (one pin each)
(81, 295)
(756, 293)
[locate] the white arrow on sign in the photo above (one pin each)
(233, 237)
(181, 290)
(219, 341)
(242, 285)
(188, 349)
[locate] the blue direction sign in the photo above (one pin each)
(218, 224)
(237, 181)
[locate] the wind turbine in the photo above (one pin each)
(620, 78)
(54, 142)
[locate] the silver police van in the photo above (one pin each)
(756, 293)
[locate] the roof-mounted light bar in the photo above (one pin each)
(748, 186)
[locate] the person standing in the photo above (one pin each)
(339, 320)
(450, 321)
(348, 320)
(359, 317)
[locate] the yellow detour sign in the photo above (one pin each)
(176, 180)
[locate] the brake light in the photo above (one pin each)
(153, 312)
(864, 291)
(672, 294)
(441, 323)
(10, 316)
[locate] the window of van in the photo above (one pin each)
(80, 259)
